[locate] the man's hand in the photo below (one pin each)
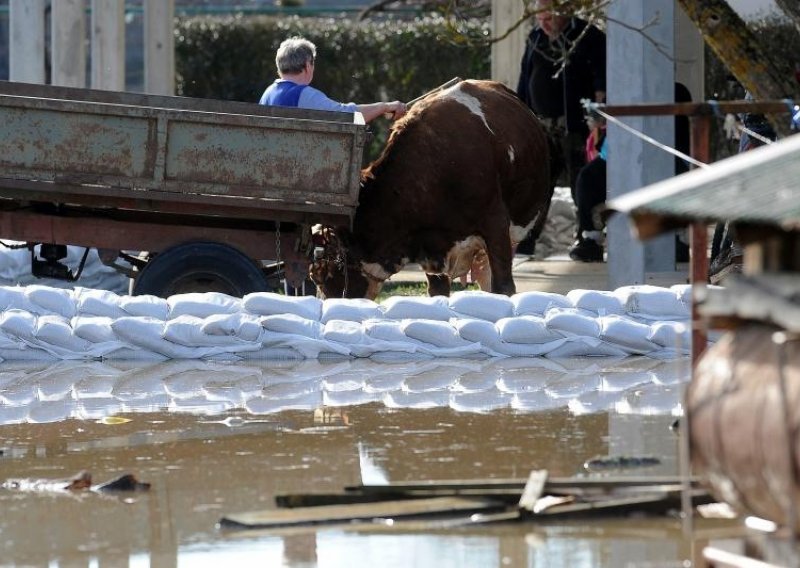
(395, 109)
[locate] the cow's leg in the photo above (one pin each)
(438, 284)
(498, 248)
(481, 271)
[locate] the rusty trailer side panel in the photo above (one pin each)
(112, 149)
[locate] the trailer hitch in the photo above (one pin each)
(50, 267)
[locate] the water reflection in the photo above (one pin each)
(40, 392)
(215, 439)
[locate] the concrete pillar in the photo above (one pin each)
(689, 55)
(507, 54)
(639, 70)
(108, 45)
(159, 47)
(26, 41)
(68, 43)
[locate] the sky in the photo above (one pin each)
(752, 8)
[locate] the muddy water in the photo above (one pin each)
(217, 439)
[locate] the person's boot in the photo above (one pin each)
(586, 250)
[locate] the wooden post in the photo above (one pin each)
(69, 43)
(159, 48)
(507, 53)
(698, 274)
(26, 46)
(108, 45)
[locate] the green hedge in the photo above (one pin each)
(233, 58)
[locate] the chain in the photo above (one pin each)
(278, 242)
(344, 269)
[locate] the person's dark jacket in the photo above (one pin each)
(542, 81)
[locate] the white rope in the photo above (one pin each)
(594, 108)
(756, 135)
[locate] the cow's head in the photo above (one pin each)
(337, 271)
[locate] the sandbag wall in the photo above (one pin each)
(43, 322)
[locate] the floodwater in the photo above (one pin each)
(216, 439)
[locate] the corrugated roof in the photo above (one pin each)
(759, 187)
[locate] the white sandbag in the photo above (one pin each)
(437, 333)
(14, 262)
(572, 321)
(96, 329)
(18, 323)
(351, 309)
(51, 300)
(684, 293)
(585, 347)
(145, 305)
(188, 330)
(652, 302)
(273, 354)
(385, 330)
(599, 302)
(202, 304)
(270, 303)
(25, 353)
(538, 303)
(485, 333)
(10, 342)
(477, 331)
(671, 335)
(91, 302)
(14, 298)
(627, 333)
(146, 333)
(245, 326)
(481, 305)
(416, 307)
(526, 329)
(292, 324)
(342, 331)
(54, 333)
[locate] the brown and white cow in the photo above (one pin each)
(464, 177)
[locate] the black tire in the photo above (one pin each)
(200, 267)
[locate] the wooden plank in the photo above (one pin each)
(511, 494)
(553, 484)
(719, 558)
(533, 489)
(327, 514)
(652, 503)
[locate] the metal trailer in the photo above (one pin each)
(221, 195)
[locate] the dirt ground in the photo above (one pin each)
(559, 274)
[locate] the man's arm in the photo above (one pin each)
(374, 110)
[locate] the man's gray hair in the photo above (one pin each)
(293, 54)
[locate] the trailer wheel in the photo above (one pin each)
(200, 267)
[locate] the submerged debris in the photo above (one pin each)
(605, 463)
(79, 482)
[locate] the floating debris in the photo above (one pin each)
(606, 463)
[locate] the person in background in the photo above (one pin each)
(592, 185)
(564, 62)
(295, 60)
(590, 192)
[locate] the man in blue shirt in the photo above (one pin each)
(295, 62)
